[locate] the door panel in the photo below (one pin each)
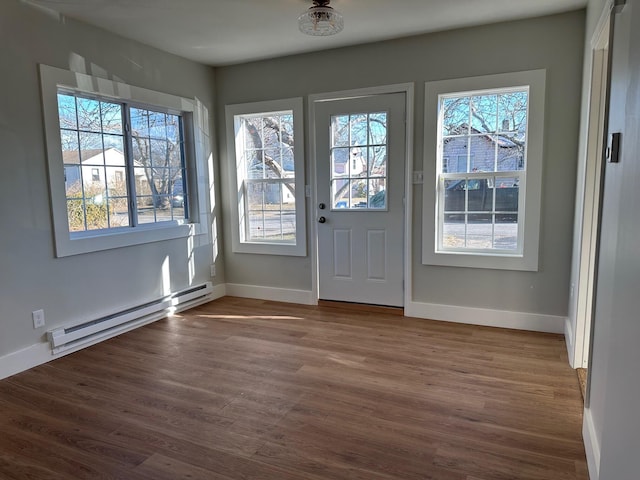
(376, 258)
(360, 157)
(342, 252)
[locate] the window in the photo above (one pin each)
(122, 163)
(265, 141)
(359, 161)
(484, 144)
(124, 170)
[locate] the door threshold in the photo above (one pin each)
(361, 307)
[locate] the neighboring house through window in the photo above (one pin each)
(265, 141)
(484, 145)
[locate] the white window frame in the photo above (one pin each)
(531, 193)
(240, 244)
(196, 148)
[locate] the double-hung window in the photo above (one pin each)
(123, 163)
(266, 150)
(484, 148)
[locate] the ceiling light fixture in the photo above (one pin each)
(321, 20)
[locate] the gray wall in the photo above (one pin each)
(82, 286)
(554, 43)
(615, 378)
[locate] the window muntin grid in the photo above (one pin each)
(482, 139)
(118, 176)
(358, 156)
(268, 169)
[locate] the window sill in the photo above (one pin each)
(87, 242)
(260, 248)
(495, 261)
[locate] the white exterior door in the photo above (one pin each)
(360, 161)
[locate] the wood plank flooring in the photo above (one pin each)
(248, 389)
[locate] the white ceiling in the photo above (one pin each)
(224, 32)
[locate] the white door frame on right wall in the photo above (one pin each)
(584, 286)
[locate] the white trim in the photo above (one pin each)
(238, 242)
(591, 445)
(219, 291)
(603, 21)
(40, 353)
(588, 192)
(487, 317)
(408, 196)
(569, 340)
(286, 295)
(24, 359)
(532, 191)
(408, 89)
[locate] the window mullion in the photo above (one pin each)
(84, 198)
(131, 178)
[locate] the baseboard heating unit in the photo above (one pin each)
(92, 331)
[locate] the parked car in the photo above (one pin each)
(177, 194)
(479, 193)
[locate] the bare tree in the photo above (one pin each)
(500, 117)
(272, 134)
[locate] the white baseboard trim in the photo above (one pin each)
(40, 353)
(21, 360)
(486, 317)
(219, 291)
(287, 295)
(591, 445)
(569, 340)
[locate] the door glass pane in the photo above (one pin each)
(377, 161)
(377, 193)
(359, 194)
(340, 194)
(340, 162)
(340, 131)
(378, 128)
(359, 161)
(358, 128)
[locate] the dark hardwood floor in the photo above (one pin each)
(247, 389)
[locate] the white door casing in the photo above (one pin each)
(360, 161)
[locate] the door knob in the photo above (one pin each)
(322, 220)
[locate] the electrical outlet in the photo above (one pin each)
(38, 318)
(213, 270)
